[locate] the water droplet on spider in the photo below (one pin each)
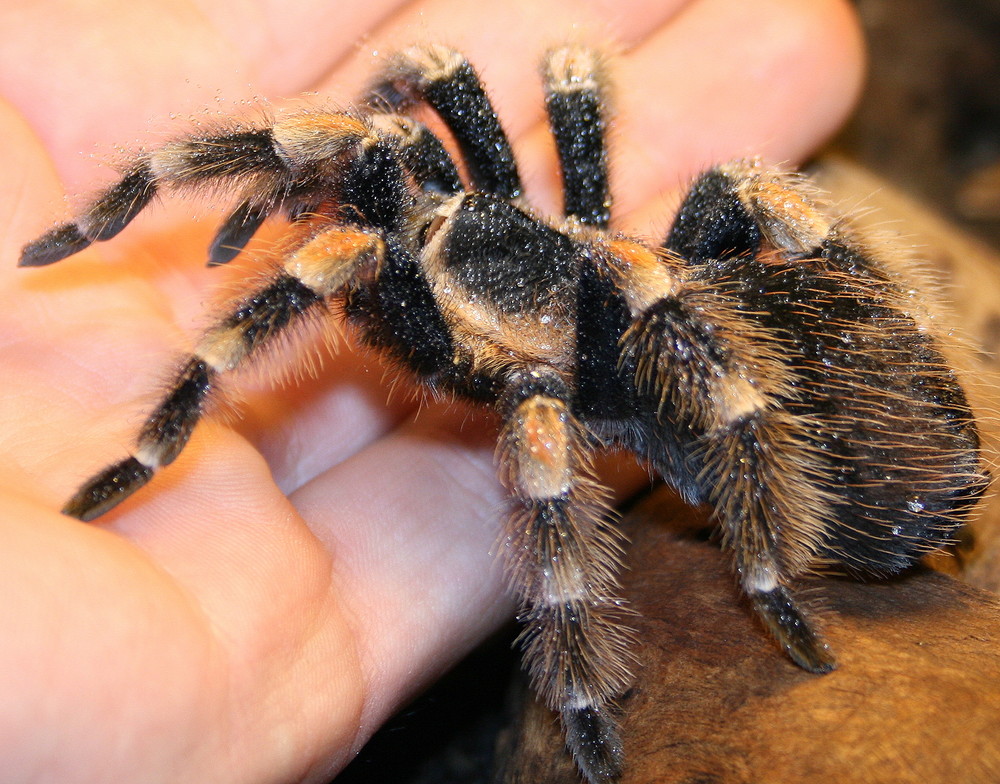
(545, 319)
(914, 506)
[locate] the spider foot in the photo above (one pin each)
(593, 739)
(793, 630)
(107, 489)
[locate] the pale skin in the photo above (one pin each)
(301, 572)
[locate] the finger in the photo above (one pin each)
(511, 74)
(791, 74)
(290, 47)
(303, 427)
(51, 386)
(199, 631)
(722, 80)
(107, 79)
(411, 523)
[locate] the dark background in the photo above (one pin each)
(929, 120)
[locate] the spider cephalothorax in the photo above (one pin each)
(762, 360)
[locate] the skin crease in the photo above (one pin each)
(299, 573)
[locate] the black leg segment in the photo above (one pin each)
(449, 84)
(792, 630)
(573, 79)
(399, 313)
(421, 152)
(713, 222)
(107, 489)
(237, 231)
(55, 245)
(111, 212)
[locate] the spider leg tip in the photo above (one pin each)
(593, 739)
(107, 489)
(816, 658)
(53, 246)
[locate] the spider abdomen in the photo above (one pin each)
(897, 437)
(779, 377)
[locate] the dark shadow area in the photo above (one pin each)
(447, 735)
(929, 119)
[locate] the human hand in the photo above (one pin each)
(297, 575)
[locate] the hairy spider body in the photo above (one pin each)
(762, 360)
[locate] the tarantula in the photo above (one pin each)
(762, 360)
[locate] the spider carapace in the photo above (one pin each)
(762, 359)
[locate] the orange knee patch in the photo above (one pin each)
(542, 449)
(326, 263)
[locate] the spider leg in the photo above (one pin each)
(574, 80)
(445, 80)
(421, 153)
(318, 269)
(416, 148)
(768, 488)
(759, 465)
(108, 215)
(237, 230)
(717, 378)
(563, 555)
(738, 208)
(294, 161)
